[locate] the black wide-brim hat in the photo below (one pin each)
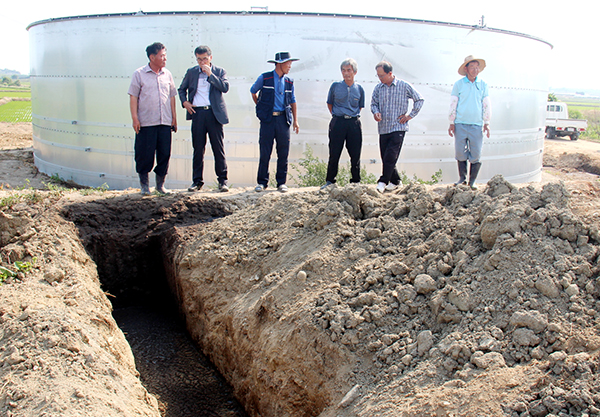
(281, 57)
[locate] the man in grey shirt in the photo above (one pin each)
(389, 105)
(345, 101)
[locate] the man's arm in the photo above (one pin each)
(183, 90)
(295, 125)
(256, 87)
(330, 107)
(174, 114)
(452, 115)
(133, 108)
(218, 79)
(375, 105)
(487, 115)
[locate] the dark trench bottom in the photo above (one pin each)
(171, 367)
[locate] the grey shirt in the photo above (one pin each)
(346, 101)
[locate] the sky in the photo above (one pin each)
(571, 27)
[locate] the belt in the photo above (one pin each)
(202, 107)
(347, 117)
(277, 113)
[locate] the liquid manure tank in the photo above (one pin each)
(81, 68)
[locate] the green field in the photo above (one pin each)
(588, 108)
(15, 94)
(16, 111)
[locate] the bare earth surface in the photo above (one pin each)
(429, 301)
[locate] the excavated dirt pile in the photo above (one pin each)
(427, 301)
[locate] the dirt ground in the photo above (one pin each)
(430, 300)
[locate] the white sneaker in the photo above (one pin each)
(259, 188)
(391, 186)
(381, 187)
(283, 188)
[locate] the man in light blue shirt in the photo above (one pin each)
(470, 114)
(389, 105)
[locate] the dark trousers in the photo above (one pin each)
(203, 123)
(346, 131)
(277, 129)
(153, 140)
(390, 145)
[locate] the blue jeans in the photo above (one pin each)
(468, 141)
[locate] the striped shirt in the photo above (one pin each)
(392, 102)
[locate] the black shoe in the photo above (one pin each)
(223, 188)
(195, 187)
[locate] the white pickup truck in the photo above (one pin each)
(559, 124)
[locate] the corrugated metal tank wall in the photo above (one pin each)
(81, 69)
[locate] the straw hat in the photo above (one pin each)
(281, 57)
(462, 70)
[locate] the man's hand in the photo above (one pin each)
(451, 130)
(486, 129)
(404, 118)
(188, 106)
(296, 126)
(377, 117)
(174, 125)
(206, 69)
(136, 125)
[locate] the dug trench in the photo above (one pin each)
(130, 244)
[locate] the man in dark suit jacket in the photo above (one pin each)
(201, 94)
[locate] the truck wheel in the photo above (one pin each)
(575, 136)
(550, 132)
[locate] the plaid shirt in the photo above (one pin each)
(392, 102)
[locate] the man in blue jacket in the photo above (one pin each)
(201, 94)
(273, 94)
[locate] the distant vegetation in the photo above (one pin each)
(15, 111)
(585, 108)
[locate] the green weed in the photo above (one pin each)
(312, 172)
(18, 266)
(435, 178)
(101, 189)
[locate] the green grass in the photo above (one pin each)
(24, 94)
(590, 110)
(16, 111)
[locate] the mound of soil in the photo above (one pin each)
(427, 301)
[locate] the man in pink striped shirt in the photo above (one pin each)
(152, 103)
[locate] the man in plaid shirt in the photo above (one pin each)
(389, 105)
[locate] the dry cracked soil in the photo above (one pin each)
(426, 301)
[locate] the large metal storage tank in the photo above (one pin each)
(81, 69)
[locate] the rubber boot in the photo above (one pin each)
(473, 174)
(144, 183)
(160, 185)
(462, 172)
